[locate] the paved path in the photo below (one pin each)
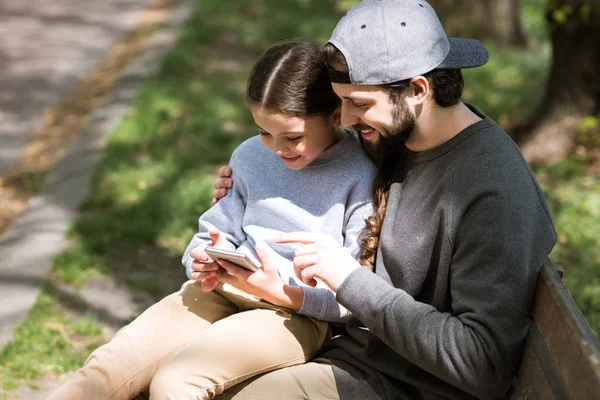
(49, 45)
(45, 48)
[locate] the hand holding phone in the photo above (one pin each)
(234, 257)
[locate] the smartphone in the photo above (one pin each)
(234, 257)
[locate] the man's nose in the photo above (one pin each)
(348, 118)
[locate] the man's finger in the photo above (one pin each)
(297, 237)
(224, 172)
(223, 183)
(219, 193)
(305, 261)
(305, 249)
(308, 275)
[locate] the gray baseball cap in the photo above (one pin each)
(386, 41)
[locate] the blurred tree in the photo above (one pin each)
(498, 20)
(570, 109)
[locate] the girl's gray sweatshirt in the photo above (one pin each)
(332, 196)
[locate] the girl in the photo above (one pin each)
(302, 173)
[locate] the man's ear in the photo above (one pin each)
(336, 118)
(419, 89)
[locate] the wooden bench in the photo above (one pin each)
(561, 359)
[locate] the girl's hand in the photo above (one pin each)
(222, 183)
(321, 257)
(205, 269)
(264, 283)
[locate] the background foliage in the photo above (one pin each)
(157, 175)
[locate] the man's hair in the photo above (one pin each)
(447, 84)
(291, 78)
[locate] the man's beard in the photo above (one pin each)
(403, 123)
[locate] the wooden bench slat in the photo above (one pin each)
(538, 378)
(570, 340)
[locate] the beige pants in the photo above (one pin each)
(313, 380)
(195, 345)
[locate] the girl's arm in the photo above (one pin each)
(226, 216)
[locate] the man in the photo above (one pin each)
(465, 225)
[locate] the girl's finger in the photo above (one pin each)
(204, 267)
(209, 284)
(234, 269)
(200, 276)
(199, 255)
(228, 278)
(214, 235)
(264, 258)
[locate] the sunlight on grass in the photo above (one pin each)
(157, 173)
(48, 342)
(76, 266)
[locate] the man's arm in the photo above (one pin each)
(222, 184)
(320, 302)
(498, 250)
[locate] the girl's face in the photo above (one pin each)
(296, 140)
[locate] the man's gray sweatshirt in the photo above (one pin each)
(332, 196)
(446, 312)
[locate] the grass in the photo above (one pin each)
(574, 199)
(49, 341)
(157, 173)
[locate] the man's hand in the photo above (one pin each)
(222, 183)
(264, 283)
(320, 256)
(205, 269)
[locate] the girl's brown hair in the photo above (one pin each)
(369, 237)
(292, 78)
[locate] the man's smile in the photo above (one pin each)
(365, 131)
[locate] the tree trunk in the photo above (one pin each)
(497, 20)
(573, 87)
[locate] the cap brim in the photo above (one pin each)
(464, 53)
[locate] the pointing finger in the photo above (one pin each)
(297, 237)
(305, 249)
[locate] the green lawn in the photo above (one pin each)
(156, 177)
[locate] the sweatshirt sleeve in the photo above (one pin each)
(227, 216)
(320, 302)
(498, 250)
